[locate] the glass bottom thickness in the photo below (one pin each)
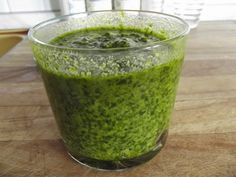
(124, 163)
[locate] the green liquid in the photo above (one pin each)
(113, 115)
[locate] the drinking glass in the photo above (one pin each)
(112, 106)
(189, 10)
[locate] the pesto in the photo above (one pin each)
(108, 37)
(113, 116)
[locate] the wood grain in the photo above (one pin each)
(202, 139)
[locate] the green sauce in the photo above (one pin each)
(107, 37)
(110, 111)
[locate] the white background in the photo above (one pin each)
(25, 13)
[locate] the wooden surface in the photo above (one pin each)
(202, 139)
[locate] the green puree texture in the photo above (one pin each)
(107, 38)
(113, 116)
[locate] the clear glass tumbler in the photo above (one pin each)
(189, 10)
(112, 106)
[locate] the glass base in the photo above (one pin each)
(124, 163)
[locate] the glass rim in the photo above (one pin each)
(33, 29)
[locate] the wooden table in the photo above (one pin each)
(202, 139)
